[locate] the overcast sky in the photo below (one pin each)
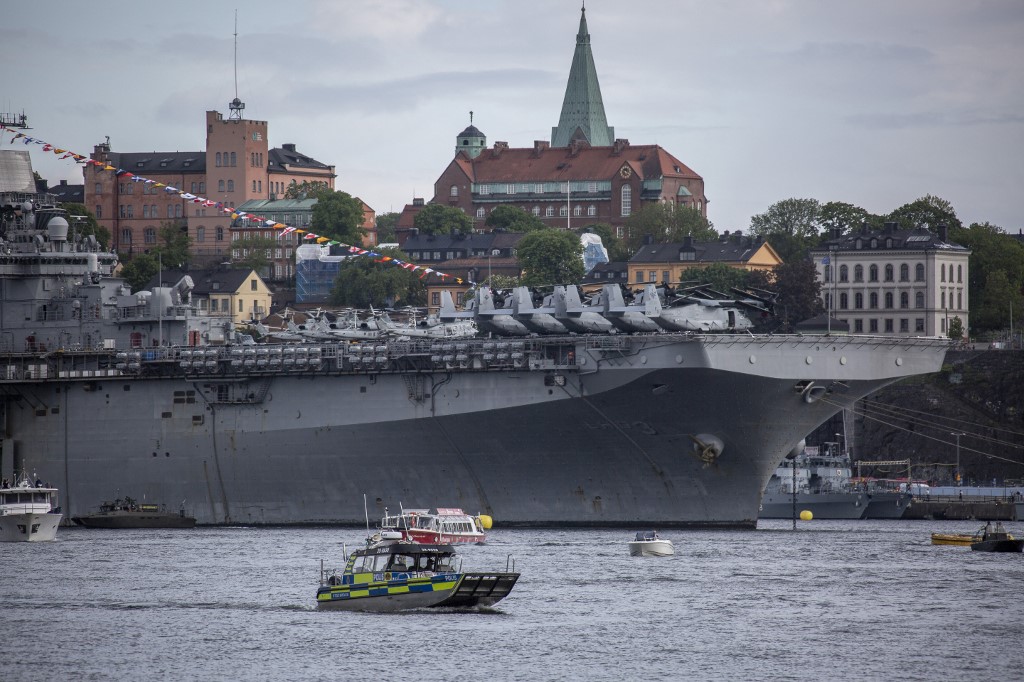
(874, 102)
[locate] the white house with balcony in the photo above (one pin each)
(894, 282)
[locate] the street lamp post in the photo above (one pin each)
(958, 477)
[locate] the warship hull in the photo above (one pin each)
(669, 430)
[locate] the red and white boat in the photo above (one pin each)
(442, 526)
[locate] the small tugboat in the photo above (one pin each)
(28, 513)
(128, 513)
(442, 526)
(997, 540)
(391, 574)
(649, 543)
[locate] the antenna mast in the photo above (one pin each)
(236, 105)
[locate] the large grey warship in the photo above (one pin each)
(104, 389)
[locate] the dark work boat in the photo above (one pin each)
(997, 540)
(127, 513)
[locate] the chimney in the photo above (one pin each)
(498, 148)
(417, 201)
(539, 146)
(619, 145)
(288, 147)
(575, 145)
(890, 227)
(943, 233)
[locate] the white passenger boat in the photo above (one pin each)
(649, 543)
(28, 513)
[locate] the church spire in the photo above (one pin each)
(582, 114)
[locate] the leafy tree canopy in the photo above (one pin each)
(996, 260)
(792, 217)
(929, 211)
(550, 257)
(438, 219)
(513, 219)
(338, 215)
(799, 293)
(139, 270)
(306, 190)
(363, 281)
(386, 223)
(85, 222)
(255, 253)
(846, 217)
(667, 223)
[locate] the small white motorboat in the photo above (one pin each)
(649, 543)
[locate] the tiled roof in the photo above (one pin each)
(918, 239)
(215, 281)
(142, 163)
(279, 156)
(559, 164)
(726, 250)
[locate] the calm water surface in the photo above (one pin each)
(834, 600)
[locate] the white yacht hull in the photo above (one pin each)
(29, 527)
(651, 548)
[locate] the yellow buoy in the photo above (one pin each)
(485, 521)
(806, 515)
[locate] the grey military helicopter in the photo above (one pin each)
(638, 316)
(702, 309)
(488, 318)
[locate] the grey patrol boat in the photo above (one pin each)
(102, 387)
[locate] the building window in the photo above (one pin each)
(231, 185)
(858, 273)
(888, 325)
(652, 276)
(844, 274)
(942, 271)
(919, 324)
(549, 212)
(233, 159)
(577, 210)
(145, 211)
(627, 200)
(510, 188)
(873, 326)
(904, 273)
(98, 188)
(873, 300)
(480, 212)
(960, 274)
(453, 191)
(904, 325)
(435, 298)
(858, 326)
(99, 211)
(639, 276)
(919, 300)
(563, 211)
(170, 210)
(200, 234)
(253, 185)
(919, 272)
(126, 236)
(873, 273)
(904, 300)
(220, 185)
(149, 236)
(591, 210)
(959, 300)
(219, 234)
(844, 301)
(943, 303)
(177, 211)
(218, 159)
(485, 189)
(858, 301)
(888, 299)
(536, 211)
(241, 305)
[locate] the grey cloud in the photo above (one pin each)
(931, 119)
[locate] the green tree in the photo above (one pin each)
(305, 190)
(956, 328)
(513, 219)
(364, 281)
(338, 215)
(83, 220)
(799, 293)
(996, 260)
(386, 223)
(666, 223)
(929, 211)
(255, 253)
(550, 257)
(718, 276)
(846, 217)
(617, 249)
(794, 217)
(172, 249)
(439, 219)
(139, 270)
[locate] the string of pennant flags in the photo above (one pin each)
(282, 228)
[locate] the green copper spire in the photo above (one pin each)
(583, 109)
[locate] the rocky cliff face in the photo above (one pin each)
(978, 393)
